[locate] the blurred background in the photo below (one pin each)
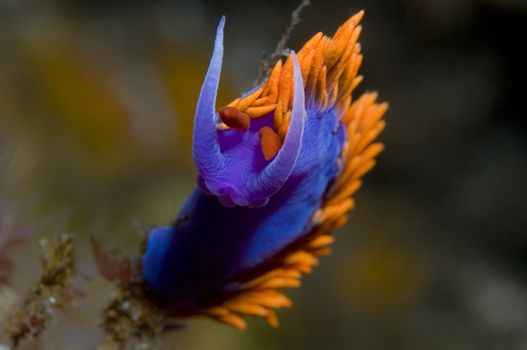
(96, 107)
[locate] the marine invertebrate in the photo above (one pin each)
(277, 168)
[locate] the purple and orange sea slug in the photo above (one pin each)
(277, 169)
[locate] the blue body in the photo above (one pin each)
(210, 245)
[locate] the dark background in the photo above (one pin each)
(96, 108)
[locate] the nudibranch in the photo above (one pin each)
(277, 169)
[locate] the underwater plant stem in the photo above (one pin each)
(281, 49)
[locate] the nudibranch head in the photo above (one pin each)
(276, 170)
(240, 162)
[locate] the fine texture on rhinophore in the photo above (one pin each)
(272, 188)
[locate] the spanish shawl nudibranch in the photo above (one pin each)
(277, 168)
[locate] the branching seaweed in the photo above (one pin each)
(129, 311)
(52, 292)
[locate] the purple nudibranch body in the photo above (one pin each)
(214, 239)
(246, 209)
